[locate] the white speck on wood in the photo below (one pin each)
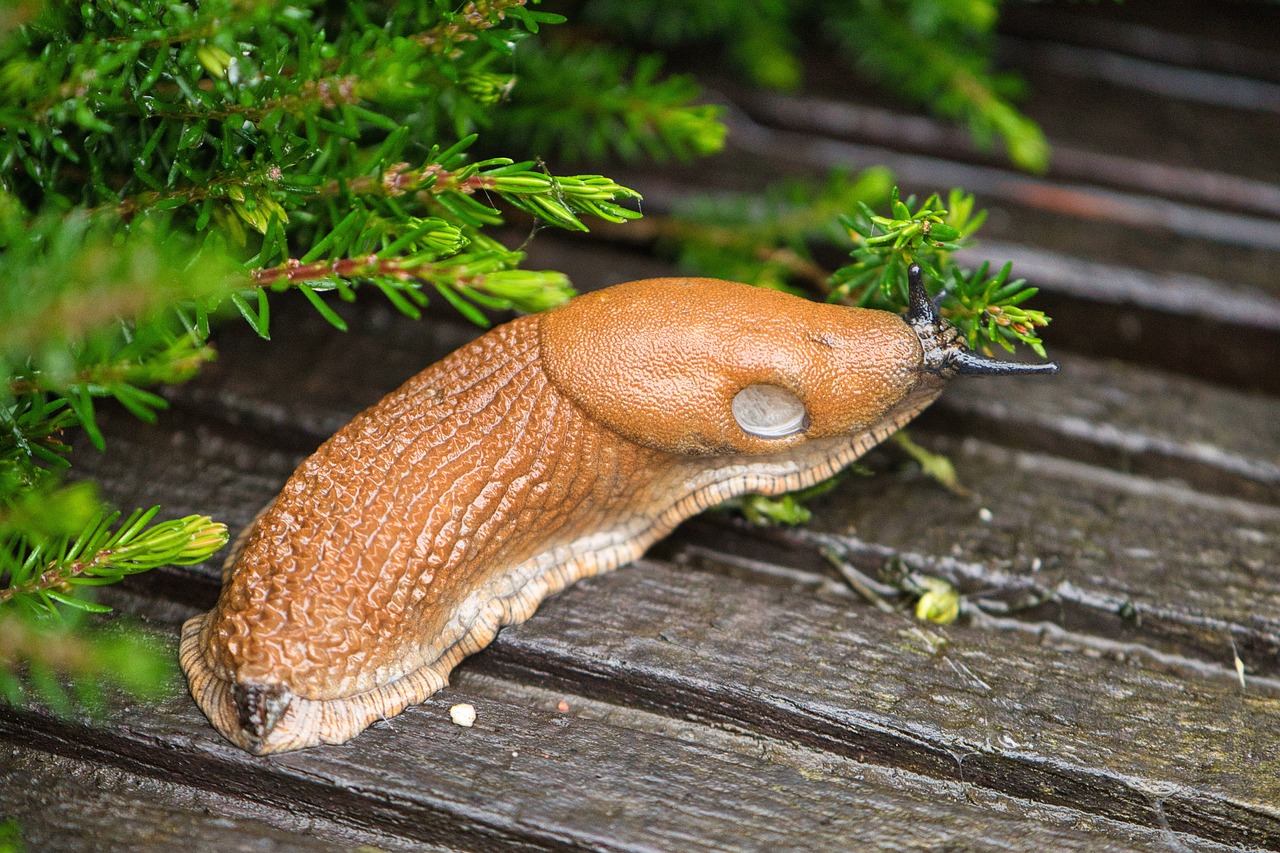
(463, 714)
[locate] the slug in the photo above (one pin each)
(552, 448)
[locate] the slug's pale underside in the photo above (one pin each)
(553, 448)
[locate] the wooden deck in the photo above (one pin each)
(729, 691)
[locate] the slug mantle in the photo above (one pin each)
(552, 448)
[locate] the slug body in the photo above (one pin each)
(553, 448)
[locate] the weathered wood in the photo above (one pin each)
(528, 779)
(1157, 425)
(69, 806)
(1165, 563)
(994, 710)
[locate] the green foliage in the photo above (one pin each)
(51, 565)
(788, 509)
(936, 466)
(938, 52)
(932, 599)
(69, 667)
(757, 35)
(45, 571)
(590, 103)
(259, 128)
(765, 238)
(87, 311)
(935, 52)
(939, 602)
(986, 308)
(11, 830)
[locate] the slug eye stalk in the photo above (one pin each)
(922, 310)
(945, 350)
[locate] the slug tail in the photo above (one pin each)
(258, 718)
(259, 707)
(265, 719)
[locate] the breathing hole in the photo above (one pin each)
(768, 411)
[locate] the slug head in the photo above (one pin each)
(702, 366)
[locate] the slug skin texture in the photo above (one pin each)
(552, 448)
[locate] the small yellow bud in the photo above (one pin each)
(940, 602)
(214, 59)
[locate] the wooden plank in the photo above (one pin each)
(70, 806)
(1210, 328)
(1237, 40)
(1080, 219)
(530, 779)
(998, 711)
(1122, 556)
(1158, 425)
(1212, 182)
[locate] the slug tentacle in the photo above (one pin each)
(945, 353)
(553, 448)
(970, 363)
(922, 311)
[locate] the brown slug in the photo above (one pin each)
(555, 447)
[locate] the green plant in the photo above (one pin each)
(768, 239)
(164, 163)
(986, 308)
(934, 52)
(11, 836)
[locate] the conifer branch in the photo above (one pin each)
(181, 362)
(986, 308)
(46, 573)
(765, 238)
(940, 54)
(935, 52)
(587, 104)
(466, 25)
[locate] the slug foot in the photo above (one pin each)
(267, 719)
